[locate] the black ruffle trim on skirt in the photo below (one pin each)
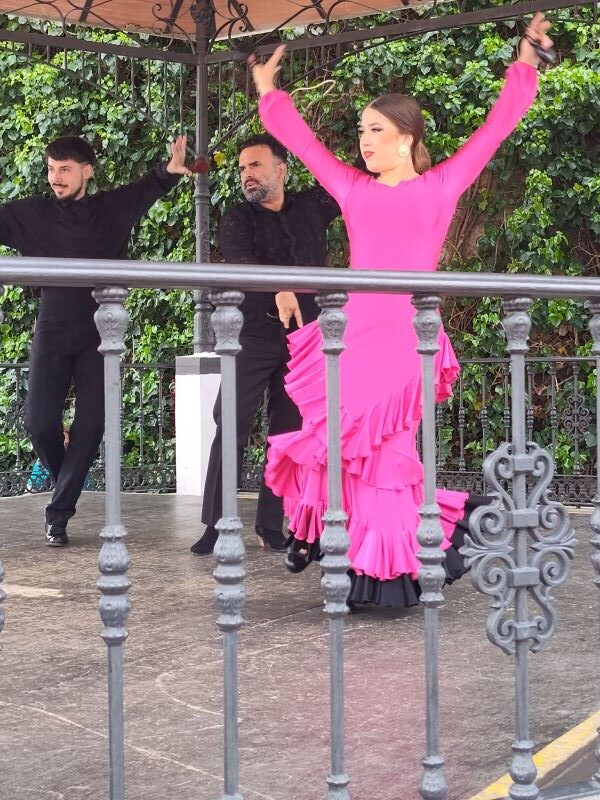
(404, 591)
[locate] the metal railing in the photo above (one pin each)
(520, 546)
(147, 432)
(559, 411)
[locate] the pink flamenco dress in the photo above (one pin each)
(399, 227)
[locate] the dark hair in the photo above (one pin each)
(267, 140)
(71, 148)
(405, 113)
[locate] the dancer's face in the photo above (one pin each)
(262, 174)
(379, 141)
(68, 179)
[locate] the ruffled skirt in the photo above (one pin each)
(382, 477)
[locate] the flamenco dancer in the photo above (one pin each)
(396, 220)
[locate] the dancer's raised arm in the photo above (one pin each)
(281, 118)
(459, 171)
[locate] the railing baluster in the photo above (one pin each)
(439, 425)
(141, 415)
(229, 550)
(161, 373)
(112, 320)
(334, 540)
(553, 409)
(594, 308)
(430, 536)
(517, 324)
(483, 414)
(18, 414)
(529, 401)
(506, 413)
(462, 465)
(577, 404)
(520, 547)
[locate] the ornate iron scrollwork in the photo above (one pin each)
(14, 414)
(235, 22)
(576, 417)
(492, 551)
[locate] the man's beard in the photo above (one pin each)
(257, 193)
(70, 196)
(262, 192)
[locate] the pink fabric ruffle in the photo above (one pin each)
(382, 476)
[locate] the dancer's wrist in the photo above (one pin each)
(265, 88)
(528, 56)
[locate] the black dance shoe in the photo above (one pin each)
(206, 543)
(274, 540)
(56, 535)
(298, 556)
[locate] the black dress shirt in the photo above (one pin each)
(97, 226)
(294, 236)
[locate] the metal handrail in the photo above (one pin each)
(170, 275)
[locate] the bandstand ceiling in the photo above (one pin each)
(173, 17)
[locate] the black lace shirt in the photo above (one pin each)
(294, 236)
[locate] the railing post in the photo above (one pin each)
(334, 540)
(520, 547)
(112, 320)
(229, 550)
(517, 324)
(203, 15)
(430, 535)
(2, 571)
(594, 307)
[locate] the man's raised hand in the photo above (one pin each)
(176, 165)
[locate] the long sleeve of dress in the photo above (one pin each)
(459, 171)
(281, 118)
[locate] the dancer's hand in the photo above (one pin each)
(536, 30)
(176, 165)
(264, 74)
(287, 305)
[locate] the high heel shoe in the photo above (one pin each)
(299, 555)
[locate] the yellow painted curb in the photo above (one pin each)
(550, 758)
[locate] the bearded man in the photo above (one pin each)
(280, 228)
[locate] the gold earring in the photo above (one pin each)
(404, 151)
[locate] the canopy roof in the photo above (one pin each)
(173, 17)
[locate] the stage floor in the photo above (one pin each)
(53, 671)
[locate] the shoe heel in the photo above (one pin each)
(261, 541)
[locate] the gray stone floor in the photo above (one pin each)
(53, 672)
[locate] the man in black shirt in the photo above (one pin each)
(73, 224)
(272, 227)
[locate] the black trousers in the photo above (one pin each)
(260, 365)
(61, 356)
